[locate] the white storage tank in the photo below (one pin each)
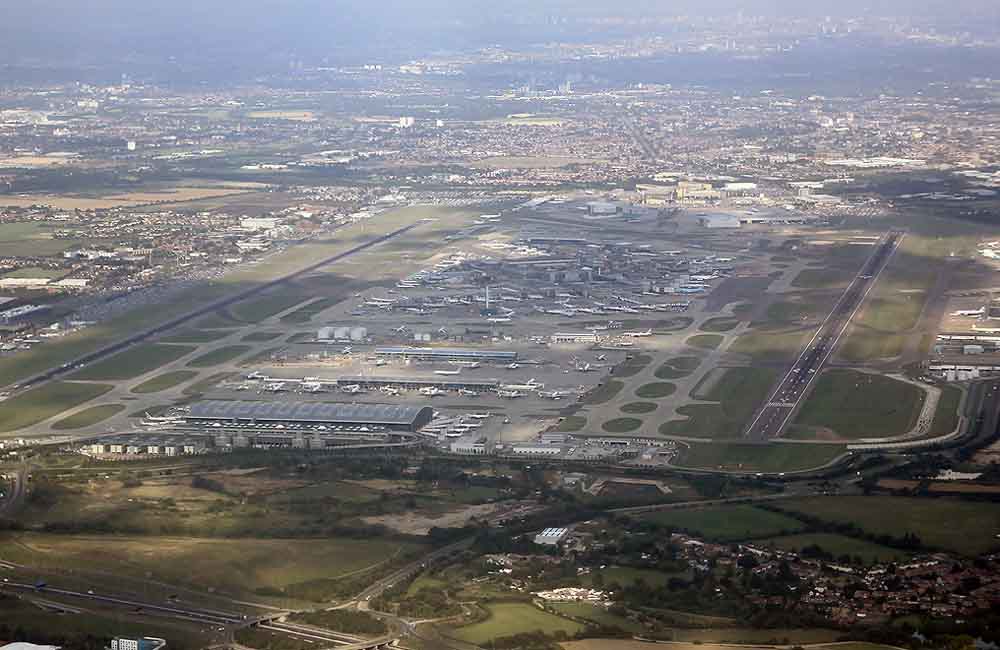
(342, 333)
(324, 334)
(359, 333)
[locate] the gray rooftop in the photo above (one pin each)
(391, 414)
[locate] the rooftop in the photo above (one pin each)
(390, 414)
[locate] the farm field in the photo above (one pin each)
(966, 527)
(38, 404)
(838, 545)
(727, 523)
(507, 619)
(133, 362)
(855, 405)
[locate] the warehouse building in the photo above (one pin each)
(391, 417)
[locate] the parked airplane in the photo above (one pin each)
(467, 393)
(648, 332)
(351, 389)
(447, 372)
(431, 391)
(513, 366)
(531, 385)
(509, 394)
(551, 394)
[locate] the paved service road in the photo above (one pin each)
(772, 418)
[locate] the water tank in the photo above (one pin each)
(324, 334)
(342, 333)
(359, 333)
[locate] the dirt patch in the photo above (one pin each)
(412, 523)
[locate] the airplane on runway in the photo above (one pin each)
(431, 391)
(351, 389)
(467, 393)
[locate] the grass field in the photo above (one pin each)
(633, 366)
(254, 310)
(508, 619)
(219, 355)
(571, 423)
(728, 523)
(838, 545)
(164, 381)
(739, 392)
(135, 361)
(757, 458)
(195, 336)
(721, 324)
(604, 393)
(638, 408)
(772, 342)
(598, 615)
(89, 416)
(705, 341)
(655, 390)
(49, 399)
(260, 337)
(827, 278)
(966, 527)
(677, 367)
(622, 425)
(206, 384)
(237, 566)
(306, 312)
(946, 416)
(861, 405)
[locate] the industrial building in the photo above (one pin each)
(458, 382)
(446, 354)
(128, 445)
(551, 536)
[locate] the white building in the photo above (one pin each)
(551, 536)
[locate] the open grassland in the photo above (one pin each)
(632, 366)
(257, 309)
(571, 423)
(89, 417)
(838, 546)
(18, 237)
(604, 393)
(827, 278)
(727, 523)
(218, 356)
(861, 405)
(655, 390)
(598, 616)
(133, 362)
(260, 337)
(967, 527)
(306, 313)
(739, 392)
(204, 385)
(774, 342)
(622, 425)
(164, 381)
(721, 324)
(236, 566)
(638, 408)
(508, 619)
(50, 399)
(739, 457)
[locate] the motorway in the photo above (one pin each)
(773, 417)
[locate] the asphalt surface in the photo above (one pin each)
(773, 417)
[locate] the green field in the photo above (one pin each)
(260, 337)
(739, 392)
(794, 311)
(720, 324)
(638, 408)
(677, 367)
(946, 416)
(28, 237)
(234, 566)
(655, 390)
(772, 342)
(306, 313)
(705, 341)
(135, 361)
(622, 425)
(508, 619)
(727, 523)
(598, 615)
(827, 278)
(164, 381)
(777, 457)
(966, 527)
(604, 393)
(195, 336)
(49, 399)
(35, 272)
(838, 545)
(571, 423)
(89, 416)
(254, 310)
(204, 385)
(633, 366)
(856, 405)
(219, 355)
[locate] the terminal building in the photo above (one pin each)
(369, 382)
(288, 414)
(446, 354)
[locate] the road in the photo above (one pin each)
(773, 417)
(108, 350)
(18, 489)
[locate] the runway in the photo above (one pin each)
(774, 416)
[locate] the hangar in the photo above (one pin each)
(447, 354)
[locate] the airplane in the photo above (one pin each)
(347, 350)
(467, 393)
(969, 312)
(400, 329)
(480, 416)
(256, 375)
(531, 385)
(275, 387)
(513, 366)
(499, 320)
(509, 394)
(389, 390)
(602, 357)
(431, 391)
(471, 365)
(648, 332)
(312, 387)
(551, 394)
(161, 418)
(351, 389)
(447, 372)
